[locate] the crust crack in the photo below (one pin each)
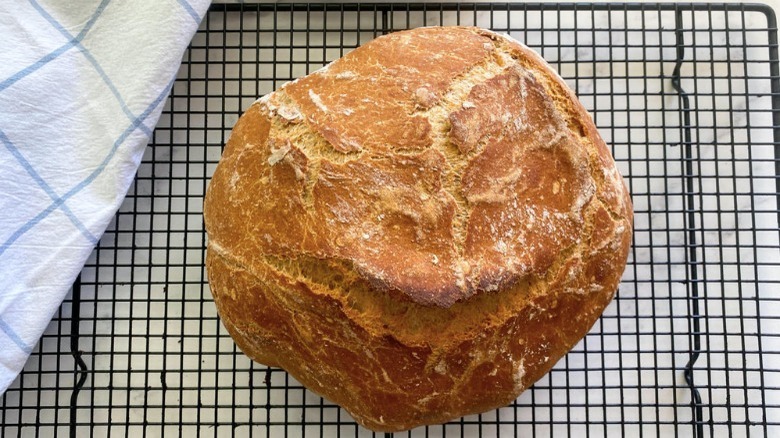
(438, 115)
(288, 123)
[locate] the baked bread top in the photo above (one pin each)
(436, 167)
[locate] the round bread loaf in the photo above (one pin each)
(419, 230)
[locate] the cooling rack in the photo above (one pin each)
(688, 97)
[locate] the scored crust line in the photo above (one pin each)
(438, 115)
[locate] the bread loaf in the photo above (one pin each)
(419, 230)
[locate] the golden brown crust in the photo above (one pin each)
(365, 100)
(418, 231)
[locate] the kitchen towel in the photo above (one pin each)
(82, 85)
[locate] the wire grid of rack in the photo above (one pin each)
(687, 95)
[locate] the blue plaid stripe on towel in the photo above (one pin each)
(82, 85)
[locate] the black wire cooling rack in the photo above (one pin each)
(687, 95)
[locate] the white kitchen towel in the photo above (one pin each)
(82, 84)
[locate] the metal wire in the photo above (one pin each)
(691, 259)
(687, 95)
